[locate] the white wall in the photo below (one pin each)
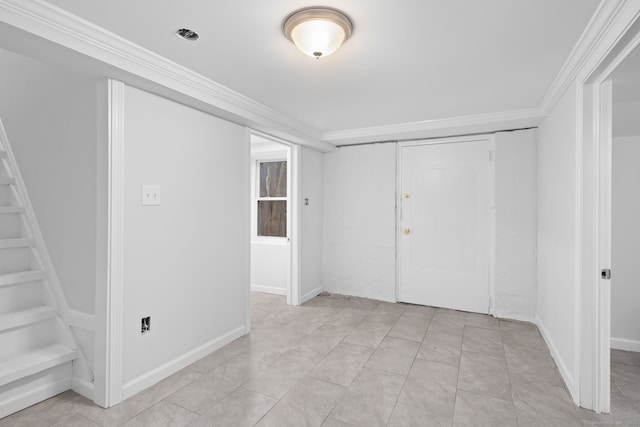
(515, 281)
(625, 251)
(557, 290)
(270, 256)
(186, 262)
(359, 189)
(625, 117)
(360, 220)
(311, 223)
(50, 118)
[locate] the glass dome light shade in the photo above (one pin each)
(317, 32)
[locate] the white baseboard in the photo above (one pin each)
(158, 374)
(30, 392)
(82, 387)
(512, 316)
(314, 293)
(625, 344)
(268, 289)
(566, 374)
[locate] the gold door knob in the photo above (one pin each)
(406, 231)
(406, 195)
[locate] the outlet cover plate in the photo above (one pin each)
(150, 195)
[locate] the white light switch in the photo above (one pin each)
(150, 195)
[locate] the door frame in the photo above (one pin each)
(594, 170)
(294, 294)
(490, 138)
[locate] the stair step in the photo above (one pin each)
(15, 319)
(22, 277)
(11, 209)
(28, 363)
(16, 243)
(7, 181)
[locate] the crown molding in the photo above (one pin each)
(62, 28)
(608, 17)
(478, 123)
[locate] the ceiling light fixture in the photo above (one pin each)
(187, 34)
(317, 31)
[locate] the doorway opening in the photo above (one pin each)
(274, 217)
(610, 296)
(625, 234)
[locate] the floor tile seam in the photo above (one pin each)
(399, 392)
(441, 363)
(346, 389)
(482, 327)
(635, 404)
(270, 409)
(491, 355)
(635, 365)
(170, 403)
(73, 414)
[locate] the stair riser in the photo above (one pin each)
(10, 226)
(14, 260)
(4, 195)
(23, 339)
(33, 389)
(21, 296)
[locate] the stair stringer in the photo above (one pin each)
(82, 373)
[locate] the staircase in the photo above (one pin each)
(37, 349)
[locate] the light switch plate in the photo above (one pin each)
(150, 195)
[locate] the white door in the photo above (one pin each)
(444, 225)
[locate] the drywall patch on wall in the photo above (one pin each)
(625, 245)
(186, 261)
(515, 225)
(359, 188)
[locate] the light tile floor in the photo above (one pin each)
(345, 361)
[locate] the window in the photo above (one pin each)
(272, 198)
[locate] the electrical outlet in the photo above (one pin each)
(150, 195)
(146, 325)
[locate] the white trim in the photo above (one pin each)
(492, 225)
(82, 387)
(32, 393)
(625, 344)
(158, 374)
(268, 289)
(583, 49)
(566, 374)
(398, 219)
(141, 66)
(295, 199)
(248, 170)
(115, 247)
(79, 319)
(603, 201)
(617, 36)
(464, 125)
(310, 295)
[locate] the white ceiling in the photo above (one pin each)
(407, 61)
